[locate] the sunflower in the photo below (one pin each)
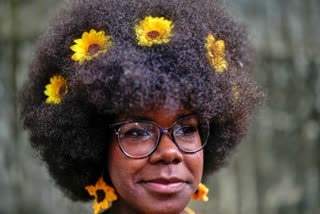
(90, 45)
(201, 193)
(153, 30)
(56, 89)
(103, 195)
(216, 53)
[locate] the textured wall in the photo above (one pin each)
(275, 170)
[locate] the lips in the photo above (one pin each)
(164, 185)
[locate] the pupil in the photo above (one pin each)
(100, 195)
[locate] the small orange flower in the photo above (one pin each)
(56, 90)
(201, 193)
(103, 195)
(216, 53)
(90, 45)
(153, 30)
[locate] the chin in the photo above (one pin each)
(165, 207)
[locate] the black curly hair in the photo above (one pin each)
(72, 137)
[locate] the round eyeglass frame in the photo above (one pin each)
(116, 127)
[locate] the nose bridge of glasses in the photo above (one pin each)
(163, 130)
(169, 137)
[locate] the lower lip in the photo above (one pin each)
(164, 188)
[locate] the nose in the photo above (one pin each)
(167, 152)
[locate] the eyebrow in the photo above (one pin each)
(137, 117)
(144, 118)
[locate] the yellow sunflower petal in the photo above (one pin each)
(91, 190)
(78, 41)
(77, 48)
(84, 35)
(101, 33)
(93, 31)
(220, 45)
(78, 57)
(97, 207)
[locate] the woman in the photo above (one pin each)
(133, 102)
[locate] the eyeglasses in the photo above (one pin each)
(139, 139)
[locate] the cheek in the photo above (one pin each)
(122, 170)
(114, 153)
(195, 165)
(118, 170)
(115, 163)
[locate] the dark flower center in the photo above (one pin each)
(62, 90)
(153, 34)
(100, 195)
(93, 49)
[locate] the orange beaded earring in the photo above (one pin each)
(103, 195)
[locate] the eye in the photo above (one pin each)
(185, 131)
(137, 132)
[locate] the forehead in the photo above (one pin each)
(163, 116)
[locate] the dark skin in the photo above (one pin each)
(161, 183)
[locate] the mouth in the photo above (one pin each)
(164, 185)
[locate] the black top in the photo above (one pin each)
(106, 212)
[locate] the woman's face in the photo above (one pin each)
(162, 182)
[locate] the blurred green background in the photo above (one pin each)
(276, 170)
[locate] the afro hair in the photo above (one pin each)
(72, 137)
